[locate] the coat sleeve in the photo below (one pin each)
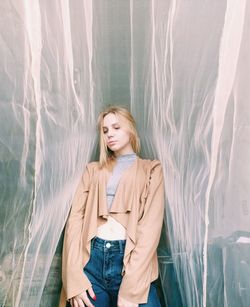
(137, 277)
(73, 277)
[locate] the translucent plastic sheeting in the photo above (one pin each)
(183, 68)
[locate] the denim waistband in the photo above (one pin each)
(110, 245)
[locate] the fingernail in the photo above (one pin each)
(94, 298)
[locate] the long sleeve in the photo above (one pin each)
(74, 279)
(137, 278)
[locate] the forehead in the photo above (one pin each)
(111, 119)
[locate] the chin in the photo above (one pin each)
(114, 149)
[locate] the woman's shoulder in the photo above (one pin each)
(93, 164)
(150, 163)
(91, 168)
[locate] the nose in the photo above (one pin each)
(109, 133)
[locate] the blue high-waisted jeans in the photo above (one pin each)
(104, 272)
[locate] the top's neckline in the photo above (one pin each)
(127, 157)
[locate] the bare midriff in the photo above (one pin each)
(111, 230)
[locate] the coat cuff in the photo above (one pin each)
(78, 285)
(129, 292)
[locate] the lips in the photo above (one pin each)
(110, 143)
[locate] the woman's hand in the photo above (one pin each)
(82, 299)
(124, 303)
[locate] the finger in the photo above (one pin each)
(92, 293)
(79, 302)
(87, 302)
(74, 302)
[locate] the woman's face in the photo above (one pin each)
(116, 134)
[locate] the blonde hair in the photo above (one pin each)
(106, 155)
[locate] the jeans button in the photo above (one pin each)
(108, 245)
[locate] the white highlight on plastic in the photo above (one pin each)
(33, 27)
(132, 97)
(229, 53)
(88, 11)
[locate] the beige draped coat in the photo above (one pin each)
(138, 205)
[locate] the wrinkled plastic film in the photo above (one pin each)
(182, 67)
(47, 138)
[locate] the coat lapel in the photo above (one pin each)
(124, 195)
(123, 199)
(102, 200)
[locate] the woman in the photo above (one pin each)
(112, 233)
